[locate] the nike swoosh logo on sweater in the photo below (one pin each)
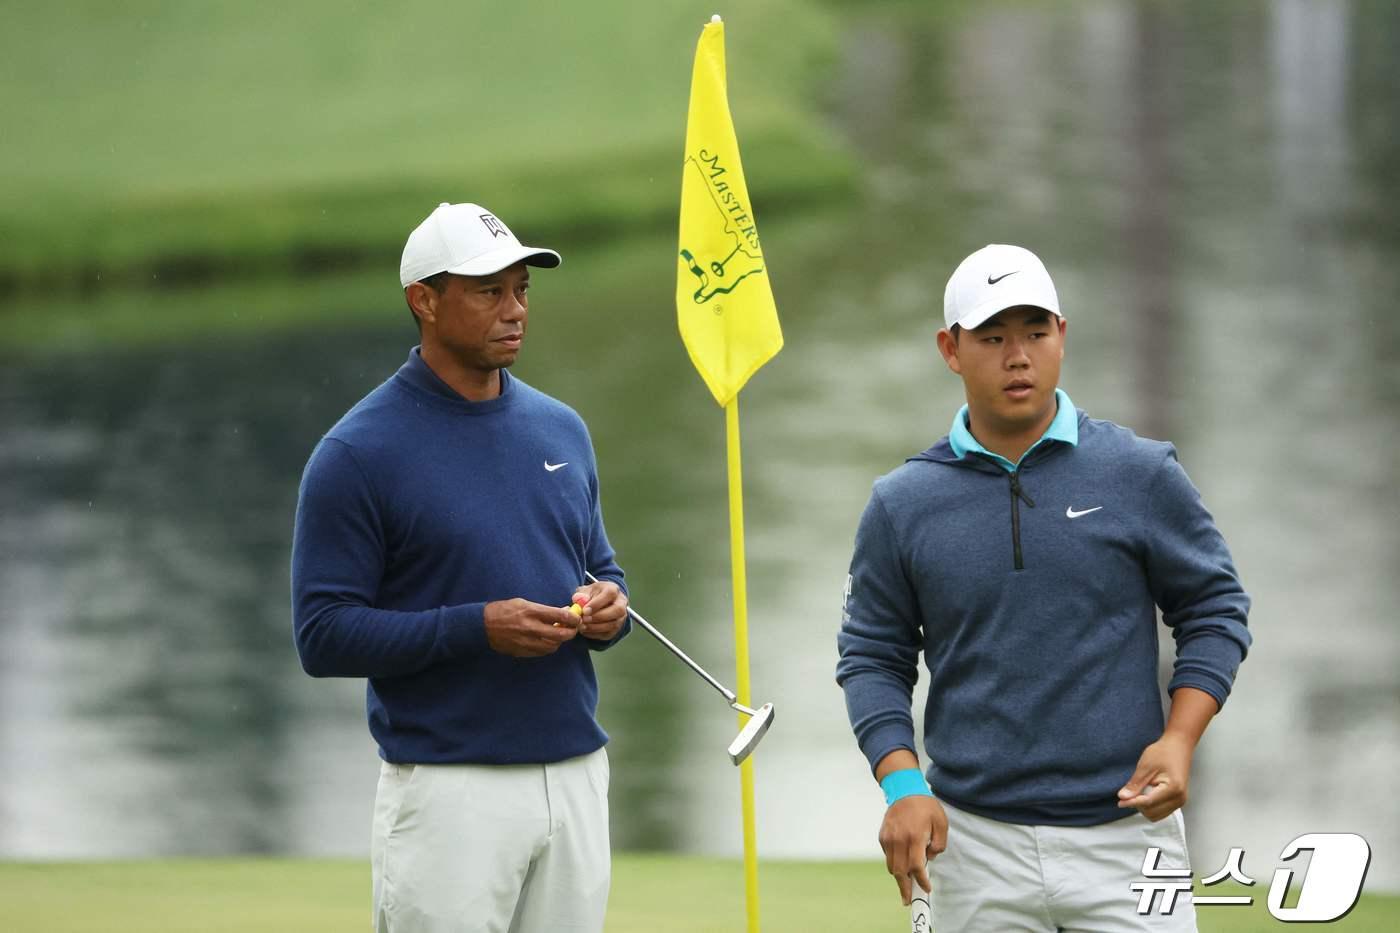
(1071, 513)
(551, 467)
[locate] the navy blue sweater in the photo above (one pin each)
(417, 509)
(1043, 689)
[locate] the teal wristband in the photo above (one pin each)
(908, 782)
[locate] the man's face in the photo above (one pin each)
(480, 320)
(1010, 367)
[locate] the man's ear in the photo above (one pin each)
(422, 301)
(1064, 329)
(948, 346)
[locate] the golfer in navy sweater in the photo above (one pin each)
(442, 525)
(1026, 555)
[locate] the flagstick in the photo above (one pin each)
(741, 650)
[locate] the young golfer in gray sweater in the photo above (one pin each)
(1025, 555)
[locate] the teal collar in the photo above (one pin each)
(1064, 428)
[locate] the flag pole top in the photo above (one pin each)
(716, 19)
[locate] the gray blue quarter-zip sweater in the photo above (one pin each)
(1031, 589)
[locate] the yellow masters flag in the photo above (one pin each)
(723, 301)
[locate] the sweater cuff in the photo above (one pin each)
(1218, 688)
(462, 629)
(1215, 676)
(887, 738)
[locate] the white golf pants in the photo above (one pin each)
(491, 848)
(999, 877)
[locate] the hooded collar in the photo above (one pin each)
(960, 443)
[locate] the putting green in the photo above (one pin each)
(650, 893)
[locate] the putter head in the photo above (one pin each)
(752, 733)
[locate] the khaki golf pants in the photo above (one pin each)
(492, 848)
(999, 877)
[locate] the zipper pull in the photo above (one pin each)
(1018, 492)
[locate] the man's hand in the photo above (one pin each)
(604, 611)
(522, 629)
(1159, 784)
(914, 831)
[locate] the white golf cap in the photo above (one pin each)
(466, 239)
(993, 279)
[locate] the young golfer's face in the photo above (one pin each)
(1010, 367)
(481, 320)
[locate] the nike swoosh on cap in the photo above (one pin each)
(993, 281)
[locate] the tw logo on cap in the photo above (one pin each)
(494, 226)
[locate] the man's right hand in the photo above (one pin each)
(914, 831)
(522, 629)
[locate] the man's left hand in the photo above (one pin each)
(1158, 787)
(604, 613)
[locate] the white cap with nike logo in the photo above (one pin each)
(995, 278)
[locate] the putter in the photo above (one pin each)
(759, 719)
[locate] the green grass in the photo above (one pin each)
(189, 141)
(650, 893)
